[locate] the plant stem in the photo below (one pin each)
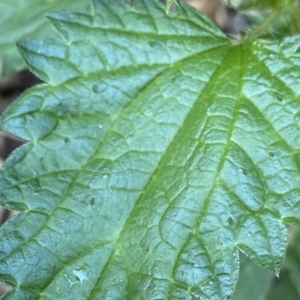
(264, 26)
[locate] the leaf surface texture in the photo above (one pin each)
(156, 150)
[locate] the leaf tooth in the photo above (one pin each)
(48, 60)
(65, 23)
(264, 240)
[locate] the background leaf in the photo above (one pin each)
(253, 280)
(256, 282)
(26, 20)
(282, 287)
(156, 150)
(292, 260)
(271, 19)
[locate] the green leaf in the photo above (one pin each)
(26, 20)
(155, 151)
(169, 4)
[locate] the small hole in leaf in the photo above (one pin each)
(92, 201)
(95, 88)
(245, 172)
(279, 98)
(272, 154)
(230, 221)
(77, 278)
(151, 44)
(66, 140)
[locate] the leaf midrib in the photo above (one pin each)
(149, 181)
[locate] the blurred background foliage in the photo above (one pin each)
(257, 283)
(269, 19)
(24, 19)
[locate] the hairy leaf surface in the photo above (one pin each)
(25, 20)
(157, 149)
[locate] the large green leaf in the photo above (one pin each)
(156, 150)
(24, 19)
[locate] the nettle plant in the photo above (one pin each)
(157, 150)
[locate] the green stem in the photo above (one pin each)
(263, 27)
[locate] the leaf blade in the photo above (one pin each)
(120, 214)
